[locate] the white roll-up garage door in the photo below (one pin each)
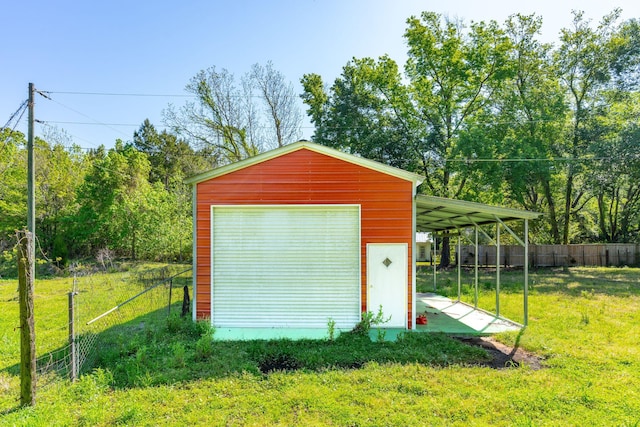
(285, 266)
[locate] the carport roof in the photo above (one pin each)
(437, 214)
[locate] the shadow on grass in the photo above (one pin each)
(575, 281)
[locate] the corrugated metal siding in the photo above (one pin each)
(307, 177)
(270, 266)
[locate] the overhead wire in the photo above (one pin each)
(21, 109)
(543, 159)
(101, 167)
(45, 123)
(57, 122)
(132, 124)
(142, 95)
(455, 160)
(98, 122)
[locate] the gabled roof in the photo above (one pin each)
(437, 214)
(360, 161)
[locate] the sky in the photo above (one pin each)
(153, 48)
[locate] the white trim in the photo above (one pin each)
(360, 260)
(413, 263)
(219, 207)
(194, 253)
(321, 149)
(211, 265)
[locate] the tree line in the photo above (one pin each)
(489, 113)
(130, 201)
(127, 201)
(486, 112)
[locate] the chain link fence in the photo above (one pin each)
(74, 314)
(147, 297)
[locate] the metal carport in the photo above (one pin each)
(441, 216)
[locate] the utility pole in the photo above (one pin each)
(31, 179)
(26, 277)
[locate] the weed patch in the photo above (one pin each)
(181, 350)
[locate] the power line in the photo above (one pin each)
(552, 159)
(86, 123)
(22, 108)
(43, 123)
(148, 95)
(458, 160)
(86, 116)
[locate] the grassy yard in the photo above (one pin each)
(585, 323)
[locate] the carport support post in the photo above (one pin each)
(476, 268)
(433, 261)
(497, 269)
(526, 272)
(459, 263)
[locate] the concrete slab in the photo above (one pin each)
(443, 315)
(454, 317)
(233, 334)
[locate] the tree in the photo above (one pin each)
(120, 210)
(454, 75)
(13, 179)
(614, 179)
(585, 62)
(13, 193)
(172, 159)
(226, 119)
(368, 112)
(530, 119)
(424, 124)
(59, 173)
(222, 118)
(279, 99)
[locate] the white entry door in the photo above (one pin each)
(387, 282)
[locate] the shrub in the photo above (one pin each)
(179, 354)
(204, 346)
(370, 319)
(331, 329)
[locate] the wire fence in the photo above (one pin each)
(142, 297)
(74, 314)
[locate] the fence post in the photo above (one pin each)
(186, 302)
(73, 372)
(170, 292)
(27, 325)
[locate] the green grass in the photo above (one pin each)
(584, 322)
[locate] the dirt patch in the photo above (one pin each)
(503, 356)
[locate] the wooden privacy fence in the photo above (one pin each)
(610, 254)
